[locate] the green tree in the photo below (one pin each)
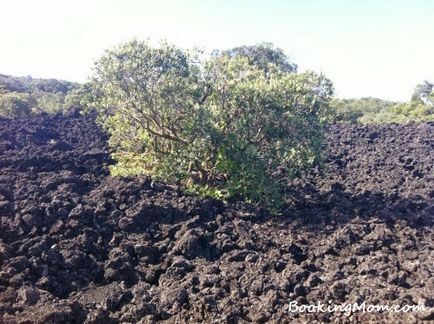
(220, 126)
(422, 92)
(262, 55)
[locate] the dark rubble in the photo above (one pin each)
(77, 245)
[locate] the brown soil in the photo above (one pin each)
(79, 246)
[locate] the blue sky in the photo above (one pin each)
(368, 48)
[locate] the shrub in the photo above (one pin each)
(220, 126)
(49, 102)
(14, 104)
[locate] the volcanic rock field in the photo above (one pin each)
(79, 246)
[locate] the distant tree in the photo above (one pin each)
(12, 84)
(419, 109)
(401, 113)
(262, 55)
(50, 94)
(424, 92)
(351, 110)
(14, 104)
(52, 86)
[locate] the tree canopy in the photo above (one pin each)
(263, 54)
(220, 126)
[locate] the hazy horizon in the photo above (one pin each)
(368, 49)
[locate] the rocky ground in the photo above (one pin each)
(79, 246)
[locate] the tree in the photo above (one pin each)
(52, 86)
(14, 104)
(422, 92)
(11, 84)
(221, 126)
(262, 55)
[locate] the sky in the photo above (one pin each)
(377, 48)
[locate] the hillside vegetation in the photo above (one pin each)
(24, 96)
(377, 111)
